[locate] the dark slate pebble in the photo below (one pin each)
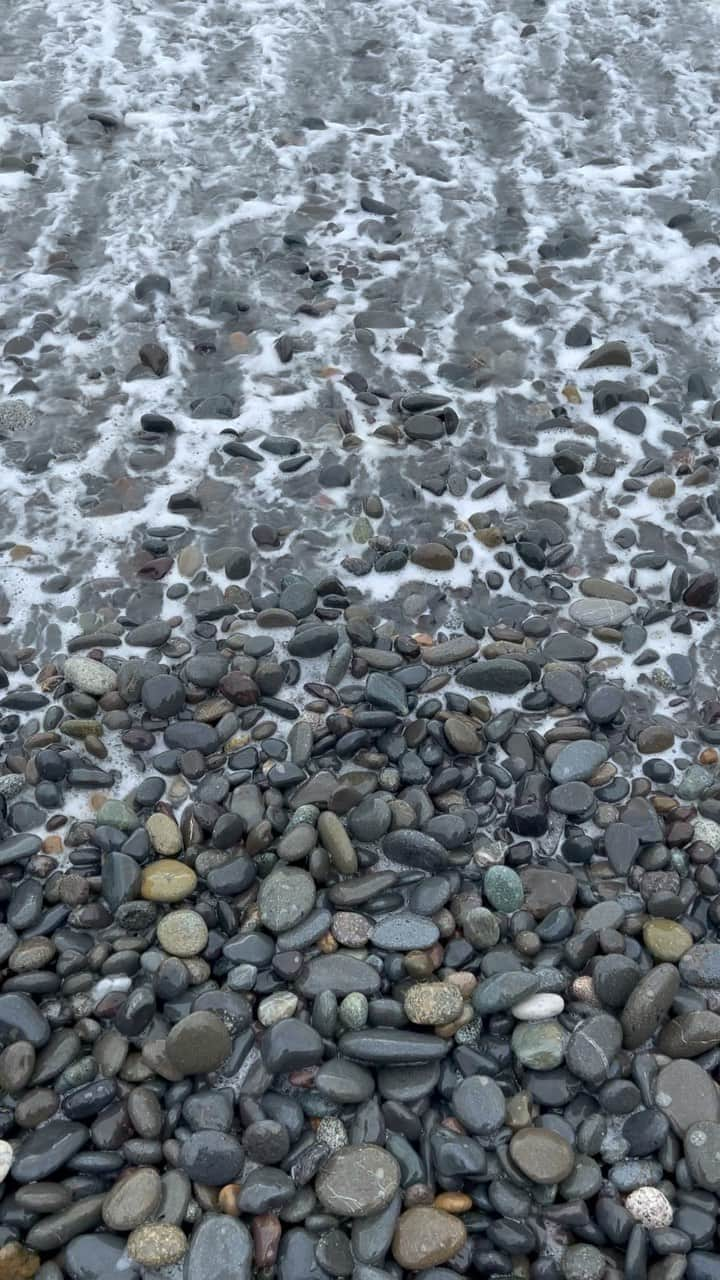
(212, 1157)
(289, 1045)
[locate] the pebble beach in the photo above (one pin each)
(359, 641)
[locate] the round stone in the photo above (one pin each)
(182, 933)
(666, 939)
(433, 1004)
(650, 1207)
(285, 898)
(198, 1043)
(426, 1237)
(163, 696)
(164, 834)
(479, 1104)
(542, 1155)
(156, 1244)
(357, 1181)
(167, 881)
(539, 1045)
(583, 1262)
(503, 889)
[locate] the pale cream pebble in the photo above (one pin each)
(650, 1207)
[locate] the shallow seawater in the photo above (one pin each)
(535, 154)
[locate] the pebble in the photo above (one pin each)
(167, 880)
(650, 1207)
(426, 1237)
(182, 933)
(198, 1043)
(156, 1244)
(358, 1181)
(542, 1155)
(433, 1004)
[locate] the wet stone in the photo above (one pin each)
(358, 1181)
(542, 1155)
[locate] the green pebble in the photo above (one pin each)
(353, 1011)
(115, 813)
(539, 1045)
(503, 889)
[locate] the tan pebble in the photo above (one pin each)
(52, 844)
(164, 834)
(327, 944)
(167, 880)
(17, 1262)
(582, 989)
(227, 1199)
(97, 801)
(708, 756)
(425, 1237)
(453, 1202)
(239, 342)
(156, 1244)
(20, 552)
(182, 933)
(465, 982)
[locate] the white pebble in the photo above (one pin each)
(650, 1207)
(6, 1159)
(536, 1008)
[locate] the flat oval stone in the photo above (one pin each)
(404, 931)
(98, 1256)
(47, 1149)
(699, 967)
(414, 849)
(390, 1047)
(479, 1104)
(593, 1047)
(285, 898)
(648, 1003)
(690, 1034)
(537, 1008)
(591, 613)
(211, 1157)
(132, 1200)
(221, 1248)
(687, 1095)
(198, 1043)
(578, 760)
(89, 676)
(542, 1155)
(167, 880)
(357, 1181)
(19, 1015)
(495, 675)
(341, 974)
(425, 1237)
(503, 991)
(503, 889)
